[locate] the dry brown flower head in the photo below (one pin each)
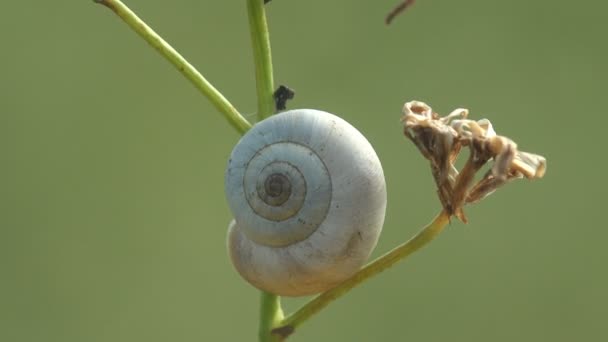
(440, 140)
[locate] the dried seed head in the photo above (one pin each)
(437, 141)
(440, 140)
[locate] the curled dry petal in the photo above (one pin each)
(530, 165)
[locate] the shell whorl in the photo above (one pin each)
(308, 196)
(284, 190)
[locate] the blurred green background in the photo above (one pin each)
(112, 212)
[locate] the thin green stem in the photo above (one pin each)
(260, 41)
(216, 98)
(426, 235)
(271, 315)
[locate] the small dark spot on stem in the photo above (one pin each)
(105, 3)
(281, 96)
(283, 331)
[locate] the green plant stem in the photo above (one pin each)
(260, 41)
(270, 305)
(167, 51)
(271, 315)
(426, 235)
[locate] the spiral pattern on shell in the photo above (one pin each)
(308, 196)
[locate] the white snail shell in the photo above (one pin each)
(308, 195)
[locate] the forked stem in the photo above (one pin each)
(170, 54)
(426, 235)
(273, 327)
(271, 316)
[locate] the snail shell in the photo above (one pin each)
(308, 196)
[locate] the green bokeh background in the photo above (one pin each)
(112, 212)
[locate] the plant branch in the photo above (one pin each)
(426, 235)
(260, 41)
(185, 68)
(271, 315)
